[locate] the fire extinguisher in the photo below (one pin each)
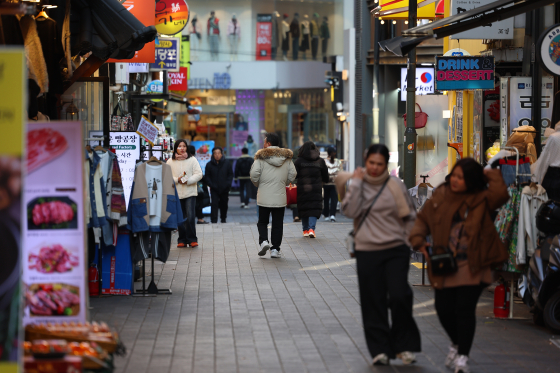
(93, 274)
(501, 301)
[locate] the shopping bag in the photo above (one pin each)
(291, 194)
(420, 119)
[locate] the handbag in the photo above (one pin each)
(291, 194)
(420, 119)
(121, 122)
(350, 239)
(446, 263)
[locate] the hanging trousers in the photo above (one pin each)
(187, 230)
(456, 310)
(219, 202)
(314, 47)
(277, 225)
(146, 243)
(383, 281)
(330, 200)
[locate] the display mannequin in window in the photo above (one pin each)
(304, 46)
(214, 36)
(314, 32)
(234, 33)
(285, 37)
(295, 31)
(275, 41)
(325, 36)
(195, 34)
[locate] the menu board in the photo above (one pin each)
(53, 232)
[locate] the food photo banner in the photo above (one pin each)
(53, 229)
(461, 73)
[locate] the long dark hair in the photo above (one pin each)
(473, 173)
(378, 149)
(177, 146)
(307, 147)
(332, 154)
(192, 150)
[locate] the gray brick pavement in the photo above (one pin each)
(233, 311)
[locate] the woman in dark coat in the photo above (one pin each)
(312, 172)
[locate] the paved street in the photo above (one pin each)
(232, 311)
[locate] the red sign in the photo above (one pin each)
(264, 36)
(144, 11)
(171, 16)
(177, 81)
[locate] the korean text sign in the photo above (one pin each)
(495, 30)
(264, 36)
(54, 260)
(458, 73)
(168, 53)
(127, 149)
(147, 130)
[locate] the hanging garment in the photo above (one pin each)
(531, 199)
(510, 170)
(96, 207)
(36, 65)
(550, 156)
(146, 243)
(551, 183)
(417, 199)
(52, 51)
(170, 214)
(507, 223)
(153, 180)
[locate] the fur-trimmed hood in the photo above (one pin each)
(274, 155)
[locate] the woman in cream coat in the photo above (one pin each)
(186, 174)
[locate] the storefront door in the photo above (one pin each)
(298, 129)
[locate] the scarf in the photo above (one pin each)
(403, 207)
(181, 157)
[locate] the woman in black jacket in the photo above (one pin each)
(312, 172)
(219, 175)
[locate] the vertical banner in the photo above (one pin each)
(264, 37)
(177, 81)
(53, 255)
(203, 152)
(13, 79)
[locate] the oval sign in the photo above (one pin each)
(171, 16)
(155, 87)
(548, 50)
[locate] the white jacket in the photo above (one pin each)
(193, 171)
(272, 170)
(334, 168)
(531, 200)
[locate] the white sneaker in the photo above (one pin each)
(264, 248)
(246, 206)
(451, 357)
(381, 359)
(242, 205)
(407, 357)
(333, 218)
(462, 364)
(327, 218)
(275, 253)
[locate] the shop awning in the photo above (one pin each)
(496, 11)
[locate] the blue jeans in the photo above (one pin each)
(187, 230)
(309, 223)
(508, 173)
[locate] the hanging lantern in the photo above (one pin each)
(72, 111)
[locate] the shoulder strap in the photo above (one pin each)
(370, 206)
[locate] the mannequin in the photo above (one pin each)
(325, 36)
(285, 37)
(234, 33)
(304, 46)
(295, 31)
(314, 32)
(214, 36)
(275, 42)
(195, 34)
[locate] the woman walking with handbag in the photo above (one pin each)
(330, 195)
(465, 247)
(383, 217)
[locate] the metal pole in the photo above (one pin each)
(375, 93)
(536, 82)
(410, 132)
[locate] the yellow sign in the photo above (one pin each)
(13, 76)
(398, 9)
(164, 44)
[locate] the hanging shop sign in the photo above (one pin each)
(464, 73)
(168, 52)
(496, 30)
(264, 36)
(144, 11)
(398, 9)
(53, 254)
(171, 16)
(516, 96)
(138, 68)
(127, 149)
(185, 52)
(548, 50)
(147, 130)
(424, 81)
(177, 81)
(203, 152)
(155, 87)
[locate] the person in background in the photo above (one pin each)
(218, 176)
(242, 173)
(186, 174)
(458, 217)
(312, 172)
(203, 197)
(382, 256)
(272, 170)
(330, 195)
(251, 146)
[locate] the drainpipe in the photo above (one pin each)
(410, 132)
(375, 92)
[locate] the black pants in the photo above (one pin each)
(330, 200)
(456, 310)
(314, 47)
(244, 190)
(382, 276)
(219, 201)
(187, 230)
(324, 44)
(295, 48)
(199, 213)
(277, 225)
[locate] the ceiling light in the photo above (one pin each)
(394, 22)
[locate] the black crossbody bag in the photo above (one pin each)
(446, 263)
